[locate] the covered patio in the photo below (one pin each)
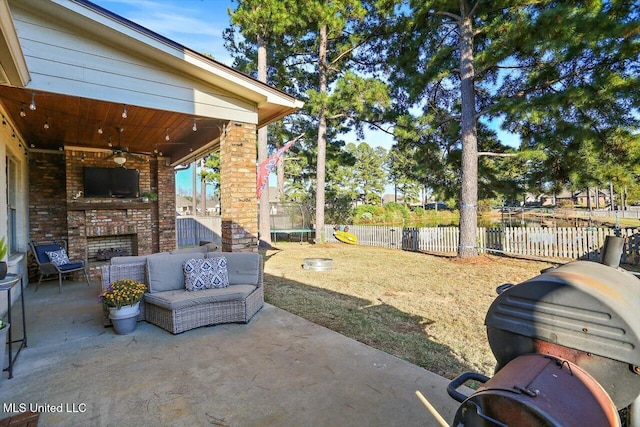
(81, 87)
(277, 370)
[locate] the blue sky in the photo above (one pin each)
(198, 25)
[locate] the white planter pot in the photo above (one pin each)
(125, 311)
(124, 319)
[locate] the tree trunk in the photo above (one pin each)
(264, 222)
(322, 138)
(469, 190)
(194, 201)
(280, 174)
(611, 197)
(203, 188)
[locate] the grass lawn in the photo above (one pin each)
(425, 309)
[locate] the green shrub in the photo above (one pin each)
(565, 204)
(484, 206)
(398, 208)
(419, 211)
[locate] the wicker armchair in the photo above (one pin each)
(48, 268)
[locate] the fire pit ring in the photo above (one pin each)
(318, 264)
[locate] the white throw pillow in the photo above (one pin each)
(58, 258)
(205, 273)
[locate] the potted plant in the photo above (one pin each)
(149, 195)
(122, 299)
(3, 254)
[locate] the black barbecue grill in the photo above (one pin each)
(567, 345)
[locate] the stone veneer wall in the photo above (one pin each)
(239, 207)
(54, 180)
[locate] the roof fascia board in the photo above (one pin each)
(14, 66)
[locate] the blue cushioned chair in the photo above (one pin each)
(47, 268)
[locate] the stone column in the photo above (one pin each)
(164, 210)
(239, 206)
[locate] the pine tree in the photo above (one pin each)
(554, 72)
(266, 22)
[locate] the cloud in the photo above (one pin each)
(197, 25)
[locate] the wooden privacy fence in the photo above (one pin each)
(540, 242)
(191, 230)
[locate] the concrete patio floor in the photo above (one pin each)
(278, 370)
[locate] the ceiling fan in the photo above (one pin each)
(119, 154)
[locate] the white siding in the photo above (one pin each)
(62, 60)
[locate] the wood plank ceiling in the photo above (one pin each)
(74, 121)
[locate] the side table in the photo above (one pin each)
(7, 285)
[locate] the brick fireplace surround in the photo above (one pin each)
(55, 178)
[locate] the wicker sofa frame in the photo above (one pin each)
(183, 319)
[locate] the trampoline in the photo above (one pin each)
(290, 219)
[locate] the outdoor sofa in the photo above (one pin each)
(169, 305)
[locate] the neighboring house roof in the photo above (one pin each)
(564, 194)
(182, 201)
(584, 193)
(388, 198)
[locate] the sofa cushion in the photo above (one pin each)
(116, 260)
(173, 300)
(194, 249)
(70, 266)
(243, 267)
(165, 271)
(205, 273)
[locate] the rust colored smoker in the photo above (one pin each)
(567, 346)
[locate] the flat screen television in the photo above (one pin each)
(111, 182)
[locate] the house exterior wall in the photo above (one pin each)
(239, 206)
(64, 59)
(47, 201)
(13, 147)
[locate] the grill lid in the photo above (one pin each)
(581, 305)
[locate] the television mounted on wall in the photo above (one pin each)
(111, 182)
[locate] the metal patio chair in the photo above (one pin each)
(60, 268)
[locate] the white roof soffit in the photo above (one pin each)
(13, 67)
(135, 38)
